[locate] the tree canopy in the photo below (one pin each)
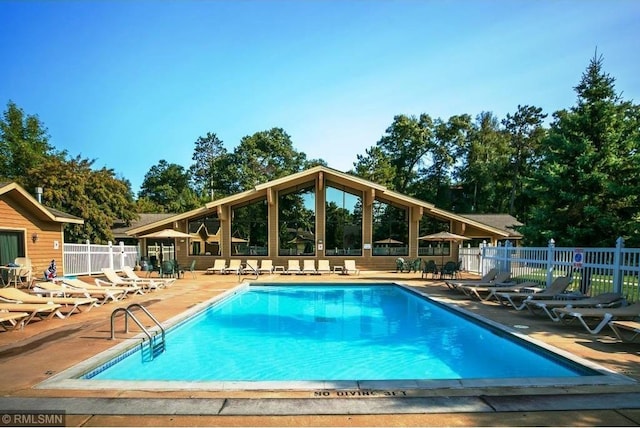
(587, 186)
(575, 180)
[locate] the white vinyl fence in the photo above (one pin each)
(594, 270)
(88, 259)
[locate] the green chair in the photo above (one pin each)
(192, 268)
(430, 267)
(449, 269)
(416, 265)
(167, 269)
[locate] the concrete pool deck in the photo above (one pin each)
(46, 348)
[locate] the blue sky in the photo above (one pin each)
(129, 83)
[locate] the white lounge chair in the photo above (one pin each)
(235, 266)
(12, 320)
(115, 279)
(309, 266)
(219, 266)
(159, 282)
(251, 267)
(477, 289)
(64, 290)
(266, 266)
(627, 331)
(118, 292)
(293, 266)
(41, 310)
(323, 266)
(518, 300)
(487, 277)
(68, 305)
(349, 267)
(601, 316)
(604, 300)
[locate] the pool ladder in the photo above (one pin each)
(156, 341)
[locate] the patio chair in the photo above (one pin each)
(115, 279)
(192, 268)
(517, 299)
(251, 266)
(41, 310)
(235, 266)
(118, 292)
(502, 279)
(604, 300)
(25, 270)
(488, 277)
(12, 320)
(309, 266)
(449, 269)
(323, 266)
(430, 267)
(627, 331)
(63, 290)
(219, 266)
(68, 305)
(402, 265)
(293, 266)
(488, 293)
(599, 316)
(159, 282)
(350, 266)
(266, 266)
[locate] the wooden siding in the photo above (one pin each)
(16, 217)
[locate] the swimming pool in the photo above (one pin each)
(336, 333)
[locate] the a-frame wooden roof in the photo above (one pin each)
(326, 174)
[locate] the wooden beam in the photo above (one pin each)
(320, 180)
(417, 213)
(270, 196)
(222, 215)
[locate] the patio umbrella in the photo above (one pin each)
(167, 234)
(442, 237)
(388, 241)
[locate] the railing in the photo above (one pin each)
(88, 259)
(156, 342)
(594, 270)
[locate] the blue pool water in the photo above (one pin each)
(377, 332)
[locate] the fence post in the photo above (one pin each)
(550, 259)
(110, 254)
(88, 244)
(121, 244)
(507, 256)
(617, 260)
(483, 247)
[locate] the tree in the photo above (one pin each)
(265, 156)
(445, 149)
(484, 159)
(587, 185)
(525, 132)
(167, 186)
(212, 173)
(23, 143)
(98, 197)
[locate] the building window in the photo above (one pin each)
(343, 222)
(297, 221)
(428, 226)
(390, 229)
(250, 229)
(205, 235)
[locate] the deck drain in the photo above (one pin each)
(523, 327)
